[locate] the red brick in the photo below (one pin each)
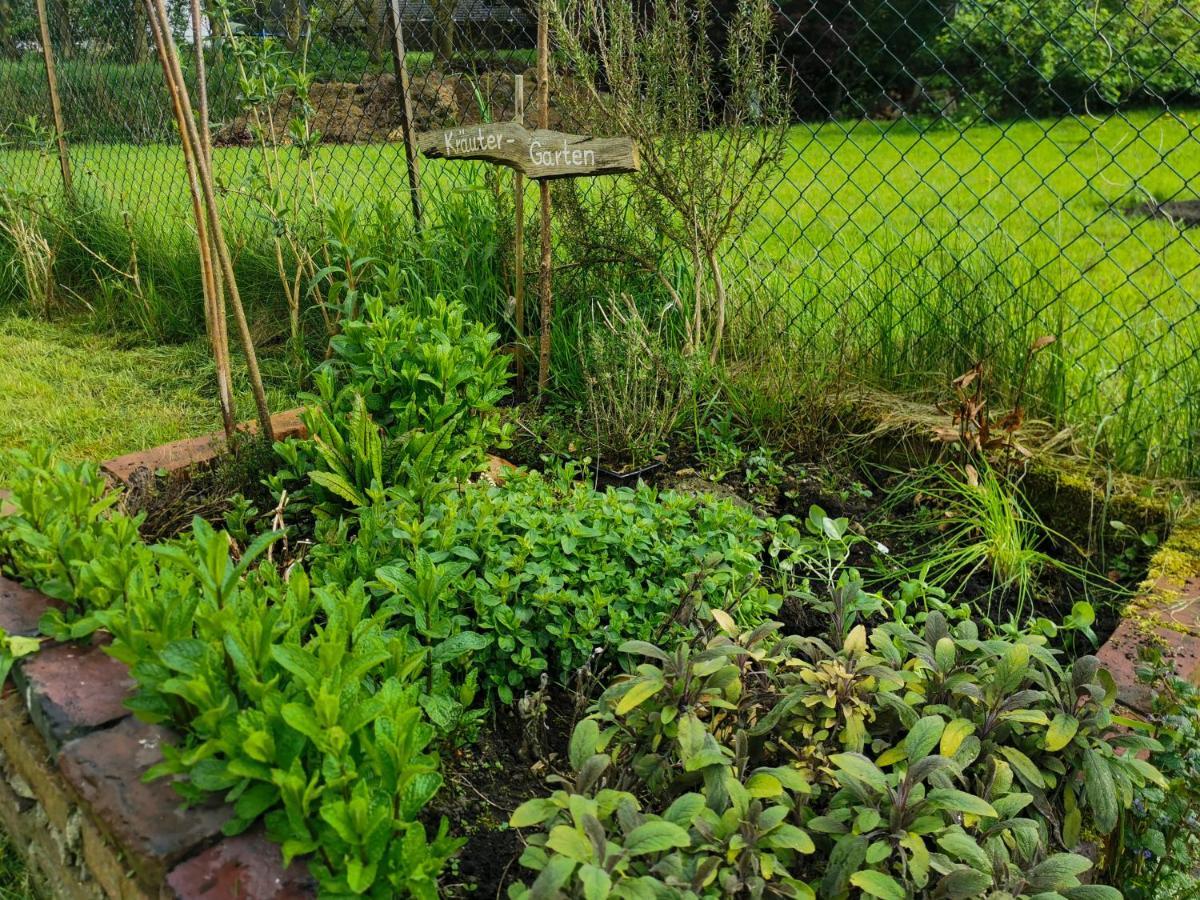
(72, 689)
(146, 821)
(246, 867)
(189, 452)
(22, 607)
(1120, 653)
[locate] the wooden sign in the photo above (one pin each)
(540, 154)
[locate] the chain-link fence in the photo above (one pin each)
(959, 178)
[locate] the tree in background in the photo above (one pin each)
(1056, 56)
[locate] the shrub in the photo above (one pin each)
(1160, 841)
(65, 534)
(1059, 55)
(409, 399)
(550, 571)
(294, 704)
(297, 705)
(939, 760)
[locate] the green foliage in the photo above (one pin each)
(1049, 54)
(107, 101)
(408, 401)
(1160, 839)
(65, 534)
(935, 760)
(552, 571)
(296, 704)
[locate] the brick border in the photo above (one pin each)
(1165, 614)
(73, 800)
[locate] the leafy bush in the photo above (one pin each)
(1058, 55)
(409, 399)
(295, 704)
(1160, 841)
(65, 534)
(550, 571)
(940, 761)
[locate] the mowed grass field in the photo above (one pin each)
(899, 255)
(94, 397)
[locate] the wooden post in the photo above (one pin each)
(214, 291)
(190, 138)
(546, 300)
(519, 237)
(64, 161)
(400, 63)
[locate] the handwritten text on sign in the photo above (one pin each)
(535, 154)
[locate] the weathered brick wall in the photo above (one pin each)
(72, 794)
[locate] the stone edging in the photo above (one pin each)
(1165, 614)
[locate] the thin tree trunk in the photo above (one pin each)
(139, 49)
(60, 24)
(719, 286)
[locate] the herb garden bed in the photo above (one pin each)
(74, 799)
(397, 678)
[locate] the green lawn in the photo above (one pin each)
(904, 254)
(95, 398)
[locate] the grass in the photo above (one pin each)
(95, 397)
(15, 883)
(903, 254)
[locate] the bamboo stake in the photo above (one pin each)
(60, 133)
(204, 246)
(170, 58)
(547, 300)
(519, 237)
(400, 63)
(214, 308)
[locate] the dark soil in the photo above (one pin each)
(842, 494)
(1179, 212)
(486, 781)
(170, 501)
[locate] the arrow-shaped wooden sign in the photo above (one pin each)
(539, 154)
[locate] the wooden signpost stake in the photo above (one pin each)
(400, 63)
(541, 155)
(519, 238)
(547, 263)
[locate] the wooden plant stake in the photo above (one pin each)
(519, 237)
(214, 293)
(60, 134)
(546, 271)
(190, 140)
(400, 62)
(541, 155)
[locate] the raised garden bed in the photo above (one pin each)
(413, 682)
(74, 800)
